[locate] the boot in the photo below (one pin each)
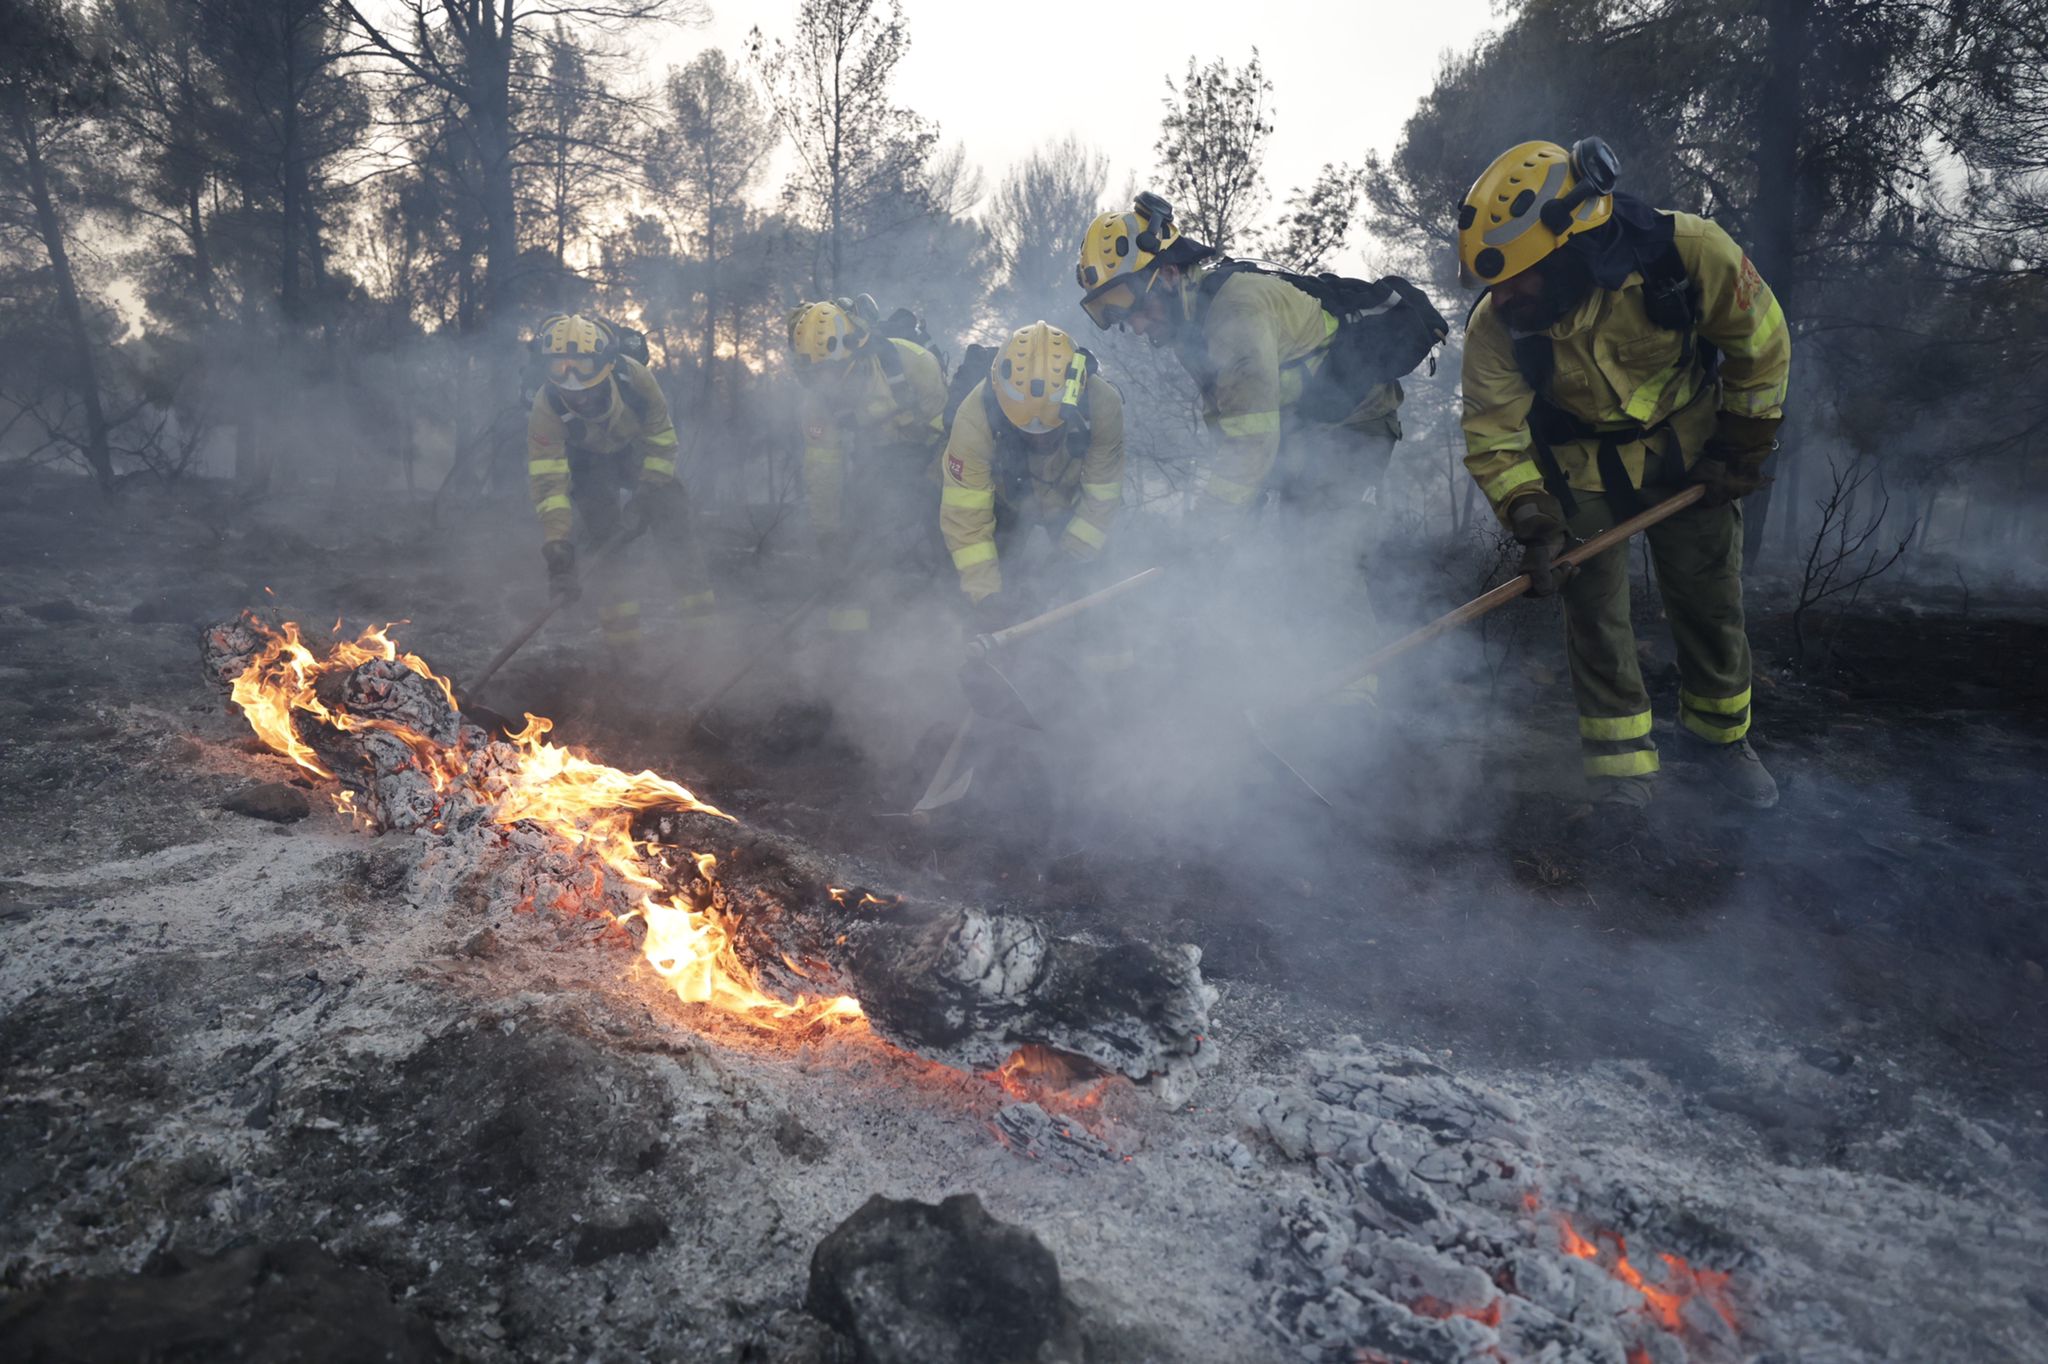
(1617, 818)
(1738, 771)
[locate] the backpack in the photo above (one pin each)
(906, 325)
(1385, 328)
(974, 367)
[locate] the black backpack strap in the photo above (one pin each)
(892, 370)
(1213, 282)
(1010, 465)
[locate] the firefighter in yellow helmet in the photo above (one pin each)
(1039, 442)
(1621, 352)
(1285, 425)
(873, 418)
(599, 428)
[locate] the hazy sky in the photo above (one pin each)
(1003, 78)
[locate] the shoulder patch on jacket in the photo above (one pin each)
(1748, 284)
(957, 468)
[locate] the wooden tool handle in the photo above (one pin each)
(604, 551)
(1505, 593)
(1022, 629)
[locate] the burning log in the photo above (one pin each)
(756, 926)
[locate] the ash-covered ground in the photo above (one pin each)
(280, 1080)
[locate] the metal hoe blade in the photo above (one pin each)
(944, 788)
(992, 694)
(1251, 720)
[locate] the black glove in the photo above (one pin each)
(988, 615)
(1538, 526)
(561, 560)
(1732, 466)
(649, 505)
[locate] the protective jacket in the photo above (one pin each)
(1074, 492)
(887, 416)
(1250, 344)
(636, 427)
(1624, 380)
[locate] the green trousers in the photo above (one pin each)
(1697, 558)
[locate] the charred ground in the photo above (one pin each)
(219, 1032)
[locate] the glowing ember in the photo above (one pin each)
(531, 781)
(1666, 1301)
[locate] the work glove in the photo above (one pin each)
(1538, 526)
(1732, 465)
(647, 506)
(988, 615)
(561, 561)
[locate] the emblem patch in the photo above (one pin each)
(957, 469)
(1748, 285)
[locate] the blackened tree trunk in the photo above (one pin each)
(1778, 193)
(50, 228)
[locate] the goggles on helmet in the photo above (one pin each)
(1111, 305)
(577, 371)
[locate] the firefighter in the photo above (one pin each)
(1039, 442)
(1619, 352)
(599, 430)
(873, 419)
(1255, 342)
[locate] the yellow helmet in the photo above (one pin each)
(1119, 256)
(1529, 202)
(1038, 376)
(579, 351)
(825, 333)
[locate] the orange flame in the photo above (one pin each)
(586, 804)
(1666, 1302)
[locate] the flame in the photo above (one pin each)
(1666, 1302)
(584, 803)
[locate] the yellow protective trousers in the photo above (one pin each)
(1697, 559)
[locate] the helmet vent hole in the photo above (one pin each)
(1522, 202)
(1467, 215)
(1038, 388)
(1006, 366)
(1123, 246)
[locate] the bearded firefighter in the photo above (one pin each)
(1618, 353)
(1287, 424)
(874, 417)
(1038, 443)
(600, 431)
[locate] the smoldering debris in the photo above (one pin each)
(963, 985)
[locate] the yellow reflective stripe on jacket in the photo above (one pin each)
(952, 496)
(1711, 732)
(1715, 705)
(1766, 327)
(967, 556)
(618, 610)
(1103, 492)
(537, 467)
(663, 437)
(1642, 404)
(1503, 484)
(698, 603)
(658, 466)
(1638, 764)
(1608, 728)
(1086, 532)
(847, 619)
(559, 502)
(1755, 402)
(1250, 424)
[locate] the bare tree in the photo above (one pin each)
(1210, 144)
(703, 161)
(1039, 213)
(1317, 220)
(1842, 558)
(51, 84)
(469, 52)
(832, 89)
